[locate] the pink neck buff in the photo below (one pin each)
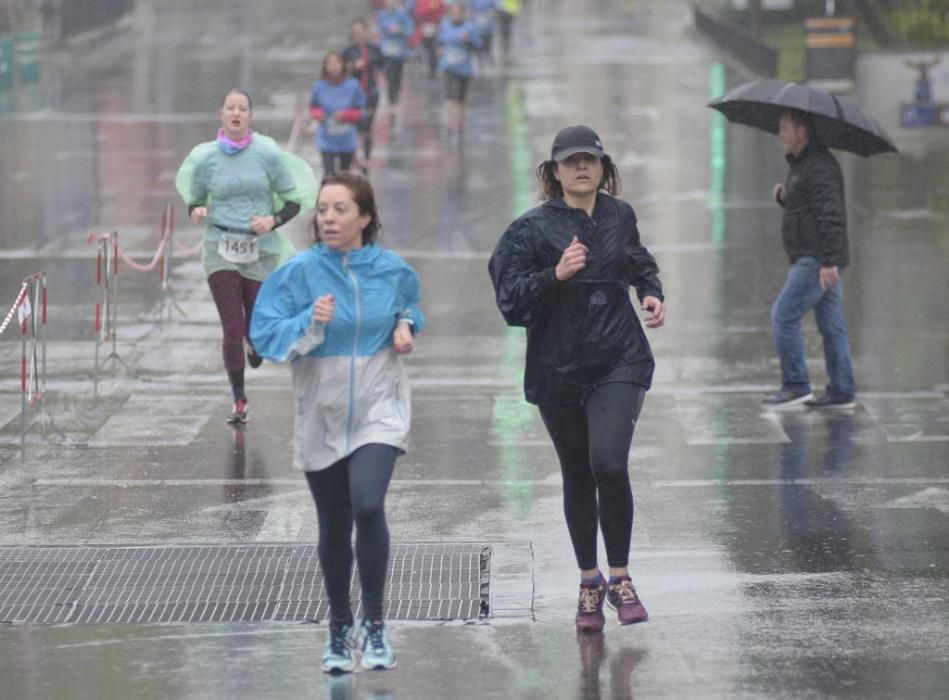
(229, 145)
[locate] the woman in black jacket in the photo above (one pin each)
(563, 270)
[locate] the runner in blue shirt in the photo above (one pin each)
(395, 27)
(457, 39)
(484, 14)
(337, 103)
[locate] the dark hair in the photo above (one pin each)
(360, 21)
(238, 91)
(326, 58)
(361, 190)
(550, 186)
(802, 119)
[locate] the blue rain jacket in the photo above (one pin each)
(350, 387)
(457, 40)
(483, 11)
(333, 136)
(395, 28)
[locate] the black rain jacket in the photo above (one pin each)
(583, 332)
(815, 213)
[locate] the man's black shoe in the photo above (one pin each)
(787, 397)
(829, 401)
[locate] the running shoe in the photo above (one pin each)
(377, 653)
(338, 655)
(239, 415)
(253, 359)
(590, 607)
(622, 597)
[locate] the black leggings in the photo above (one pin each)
(393, 68)
(354, 489)
(365, 126)
(334, 162)
(592, 439)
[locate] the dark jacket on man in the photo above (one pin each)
(582, 332)
(815, 213)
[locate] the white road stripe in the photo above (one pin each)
(411, 483)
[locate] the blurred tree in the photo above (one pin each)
(919, 22)
(873, 19)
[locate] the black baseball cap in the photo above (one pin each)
(576, 139)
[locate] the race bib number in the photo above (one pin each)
(240, 248)
(455, 55)
(391, 47)
(335, 128)
(428, 29)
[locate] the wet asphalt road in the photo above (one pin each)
(779, 554)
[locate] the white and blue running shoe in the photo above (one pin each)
(377, 653)
(338, 656)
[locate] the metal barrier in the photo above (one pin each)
(301, 116)
(167, 302)
(107, 274)
(107, 270)
(30, 302)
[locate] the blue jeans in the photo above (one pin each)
(801, 293)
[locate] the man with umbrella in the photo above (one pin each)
(808, 122)
(814, 234)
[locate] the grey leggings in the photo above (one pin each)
(354, 490)
(592, 439)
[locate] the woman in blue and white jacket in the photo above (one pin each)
(457, 38)
(342, 313)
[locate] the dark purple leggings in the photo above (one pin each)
(234, 296)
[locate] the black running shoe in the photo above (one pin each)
(253, 359)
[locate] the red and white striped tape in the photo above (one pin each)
(21, 297)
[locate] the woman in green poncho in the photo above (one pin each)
(244, 186)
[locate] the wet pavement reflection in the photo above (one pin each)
(780, 554)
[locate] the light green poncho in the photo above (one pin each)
(256, 180)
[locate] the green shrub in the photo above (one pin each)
(926, 24)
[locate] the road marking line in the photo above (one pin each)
(412, 483)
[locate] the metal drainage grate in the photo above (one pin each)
(227, 583)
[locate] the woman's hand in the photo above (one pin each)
(402, 339)
(199, 214)
(262, 224)
(654, 305)
(323, 309)
(573, 260)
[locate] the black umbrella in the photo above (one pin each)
(839, 121)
